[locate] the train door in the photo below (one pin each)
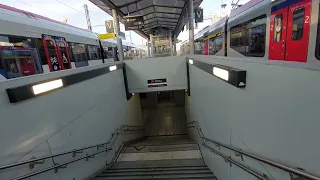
(290, 43)
(63, 53)
(51, 51)
(298, 32)
(278, 34)
(206, 47)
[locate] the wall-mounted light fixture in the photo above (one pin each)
(221, 73)
(233, 76)
(190, 61)
(28, 91)
(113, 68)
(47, 86)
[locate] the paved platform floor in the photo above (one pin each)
(166, 120)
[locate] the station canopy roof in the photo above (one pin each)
(171, 14)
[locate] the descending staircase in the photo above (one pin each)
(162, 157)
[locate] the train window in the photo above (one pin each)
(70, 52)
(4, 40)
(248, 38)
(211, 46)
(93, 52)
(257, 41)
(218, 44)
(238, 41)
(297, 23)
(80, 55)
(42, 52)
(215, 45)
(278, 28)
(198, 47)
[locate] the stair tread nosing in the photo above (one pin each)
(156, 173)
(186, 168)
(181, 176)
(159, 163)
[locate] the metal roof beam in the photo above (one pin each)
(150, 22)
(161, 13)
(168, 21)
(128, 4)
(161, 17)
(174, 7)
(157, 22)
(180, 18)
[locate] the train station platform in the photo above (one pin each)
(201, 117)
(163, 117)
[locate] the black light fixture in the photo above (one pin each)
(21, 93)
(233, 76)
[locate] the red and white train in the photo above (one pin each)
(32, 44)
(283, 30)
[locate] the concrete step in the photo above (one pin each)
(158, 164)
(157, 156)
(195, 175)
(164, 140)
(162, 148)
(158, 169)
(155, 173)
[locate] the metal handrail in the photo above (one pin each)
(56, 166)
(118, 131)
(261, 159)
(237, 164)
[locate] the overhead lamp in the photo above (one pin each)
(47, 86)
(233, 76)
(221, 73)
(113, 68)
(28, 91)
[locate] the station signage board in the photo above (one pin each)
(198, 15)
(109, 26)
(157, 82)
(106, 36)
(133, 22)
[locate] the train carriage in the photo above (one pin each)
(52, 45)
(274, 30)
(247, 30)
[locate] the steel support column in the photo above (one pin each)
(148, 46)
(117, 32)
(191, 27)
(151, 48)
(170, 39)
(174, 45)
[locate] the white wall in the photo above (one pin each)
(276, 116)
(76, 116)
(173, 68)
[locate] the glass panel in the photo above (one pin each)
(248, 38)
(80, 54)
(297, 23)
(278, 28)
(42, 52)
(218, 44)
(93, 52)
(198, 47)
(257, 37)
